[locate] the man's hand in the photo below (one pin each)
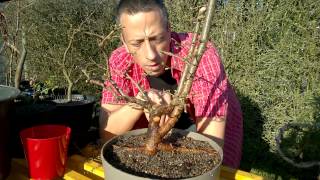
(160, 98)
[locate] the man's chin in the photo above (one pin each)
(155, 73)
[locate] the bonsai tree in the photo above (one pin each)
(155, 132)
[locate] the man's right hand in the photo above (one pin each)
(158, 97)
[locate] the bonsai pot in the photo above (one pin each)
(7, 95)
(114, 173)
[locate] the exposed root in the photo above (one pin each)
(166, 148)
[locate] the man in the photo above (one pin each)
(212, 103)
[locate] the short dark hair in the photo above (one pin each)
(134, 6)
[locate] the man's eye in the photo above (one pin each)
(136, 44)
(160, 39)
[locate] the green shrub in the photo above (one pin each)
(48, 26)
(271, 51)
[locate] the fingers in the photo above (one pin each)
(146, 112)
(163, 120)
(160, 97)
(139, 96)
(166, 97)
(155, 96)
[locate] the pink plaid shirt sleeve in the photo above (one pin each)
(209, 90)
(118, 64)
(212, 96)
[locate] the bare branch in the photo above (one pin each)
(2, 48)
(139, 88)
(118, 93)
(13, 48)
(108, 37)
(21, 61)
(94, 34)
(173, 55)
(98, 65)
(31, 3)
(192, 50)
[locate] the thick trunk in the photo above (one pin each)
(69, 93)
(156, 133)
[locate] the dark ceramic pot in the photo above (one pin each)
(77, 114)
(7, 95)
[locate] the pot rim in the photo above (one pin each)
(183, 132)
(12, 93)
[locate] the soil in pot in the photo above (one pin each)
(189, 158)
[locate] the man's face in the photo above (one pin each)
(145, 36)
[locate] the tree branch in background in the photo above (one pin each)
(21, 62)
(19, 55)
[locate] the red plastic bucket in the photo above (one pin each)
(46, 148)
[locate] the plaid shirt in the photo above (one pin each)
(211, 94)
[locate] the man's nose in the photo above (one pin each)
(151, 53)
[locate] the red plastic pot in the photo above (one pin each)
(46, 148)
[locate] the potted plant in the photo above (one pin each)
(190, 155)
(124, 156)
(59, 42)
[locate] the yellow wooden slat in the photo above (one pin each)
(80, 168)
(19, 171)
(229, 173)
(73, 175)
(94, 167)
(76, 162)
(225, 173)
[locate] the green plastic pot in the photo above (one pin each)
(7, 95)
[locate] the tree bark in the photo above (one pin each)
(156, 133)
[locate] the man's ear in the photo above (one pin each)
(124, 43)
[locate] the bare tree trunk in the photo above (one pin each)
(19, 70)
(156, 133)
(70, 84)
(69, 93)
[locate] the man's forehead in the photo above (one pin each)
(130, 19)
(142, 25)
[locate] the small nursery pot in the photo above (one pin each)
(113, 173)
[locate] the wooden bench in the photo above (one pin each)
(81, 167)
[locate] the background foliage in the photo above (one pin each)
(271, 52)
(48, 26)
(270, 49)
